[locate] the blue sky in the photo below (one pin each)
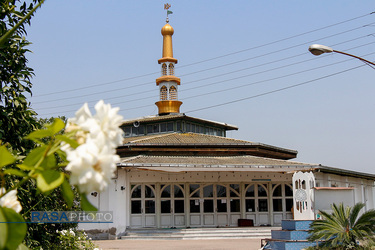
(88, 50)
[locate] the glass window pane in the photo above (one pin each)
(201, 130)
(221, 191)
(136, 207)
(221, 205)
(187, 127)
(163, 127)
(250, 191)
(178, 193)
(165, 207)
(149, 129)
(141, 130)
(150, 207)
(179, 206)
(288, 205)
(208, 191)
(155, 128)
(170, 126)
(194, 187)
(134, 131)
(262, 191)
(277, 191)
(263, 205)
(250, 205)
(208, 206)
(193, 128)
(149, 193)
(236, 187)
(277, 205)
(235, 205)
(137, 192)
(166, 193)
(288, 190)
(127, 131)
(178, 126)
(195, 206)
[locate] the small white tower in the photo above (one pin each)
(303, 195)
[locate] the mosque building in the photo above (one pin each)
(179, 171)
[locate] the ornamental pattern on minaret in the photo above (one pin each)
(168, 82)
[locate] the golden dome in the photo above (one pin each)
(167, 30)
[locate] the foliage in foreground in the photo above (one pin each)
(344, 228)
(70, 239)
(17, 119)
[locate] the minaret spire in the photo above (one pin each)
(168, 83)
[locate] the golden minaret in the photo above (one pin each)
(168, 82)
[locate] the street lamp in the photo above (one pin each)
(317, 49)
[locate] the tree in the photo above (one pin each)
(344, 227)
(17, 119)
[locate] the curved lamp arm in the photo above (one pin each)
(317, 49)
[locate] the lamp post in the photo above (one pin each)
(317, 49)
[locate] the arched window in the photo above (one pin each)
(171, 69)
(164, 69)
(173, 93)
(163, 93)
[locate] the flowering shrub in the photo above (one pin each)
(92, 163)
(68, 239)
(83, 156)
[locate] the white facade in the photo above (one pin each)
(155, 199)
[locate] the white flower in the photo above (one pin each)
(109, 122)
(10, 200)
(103, 126)
(91, 167)
(93, 162)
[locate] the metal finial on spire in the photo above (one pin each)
(166, 7)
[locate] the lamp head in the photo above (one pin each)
(317, 49)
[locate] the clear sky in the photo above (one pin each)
(87, 50)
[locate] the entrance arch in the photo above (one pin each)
(142, 203)
(214, 204)
(172, 205)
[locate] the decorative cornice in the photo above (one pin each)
(168, 78)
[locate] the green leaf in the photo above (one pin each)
(6, 158)
(15, 172)
(49, 162)
(13, 232)
(49, 180)
(71, 142)
(3, 230)
(39, 134)
(25, 167)
(10, 32)
(34, 156)
(67, 193)
(86, 205)
(56, 126)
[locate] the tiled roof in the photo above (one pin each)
(193, 139)
(229, 163)
(207, 161)
(152, 118)
(157, 118)
(183, 138)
